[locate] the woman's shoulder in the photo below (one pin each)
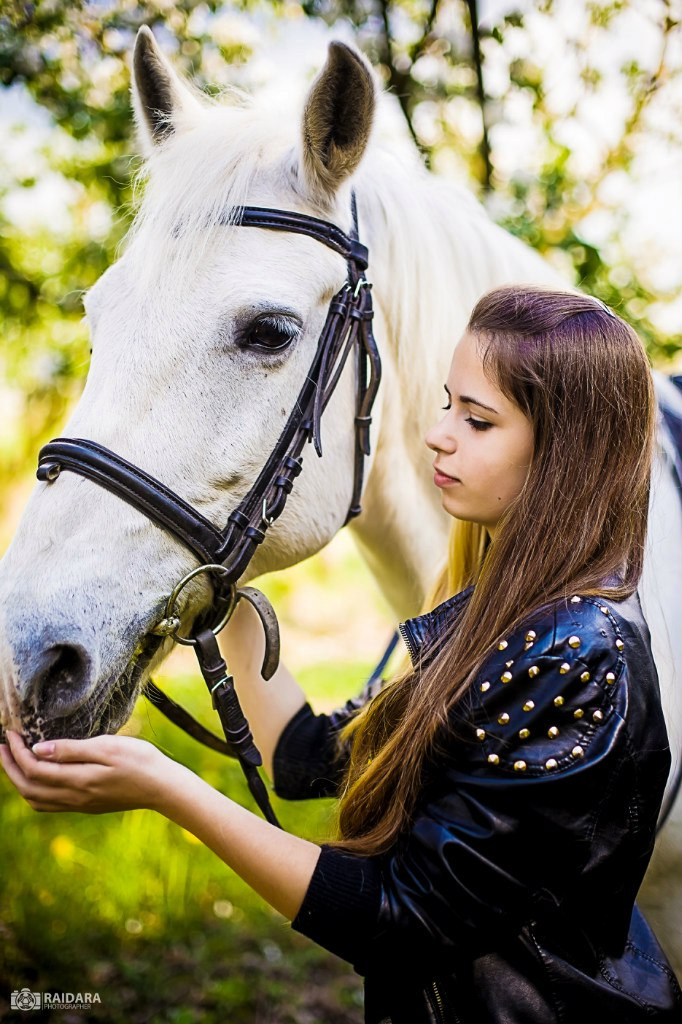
(554, 690)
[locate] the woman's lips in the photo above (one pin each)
(443, 480)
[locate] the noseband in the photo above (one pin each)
(226, 553)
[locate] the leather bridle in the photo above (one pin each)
(226, 553)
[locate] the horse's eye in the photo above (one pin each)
(271, 333)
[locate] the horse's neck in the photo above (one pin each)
(433, 253)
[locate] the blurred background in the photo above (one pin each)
(564, 117)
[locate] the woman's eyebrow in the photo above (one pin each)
(468, 400)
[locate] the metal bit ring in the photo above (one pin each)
(170, 623)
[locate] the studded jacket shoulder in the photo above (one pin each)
(552, 691)
(516, 882)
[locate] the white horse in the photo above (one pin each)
(202, 334)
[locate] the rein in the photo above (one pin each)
(225, 553)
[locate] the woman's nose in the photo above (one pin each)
(439, 438)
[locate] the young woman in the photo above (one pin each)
(498, 799)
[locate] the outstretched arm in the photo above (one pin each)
(115, 773)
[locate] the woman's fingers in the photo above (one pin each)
(33, 790)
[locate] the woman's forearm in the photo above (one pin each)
(268, 706)
(276, 864)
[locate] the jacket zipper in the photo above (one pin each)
(408, 641)
(439, 1007)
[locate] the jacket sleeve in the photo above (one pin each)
(307, 762)
(506, 827)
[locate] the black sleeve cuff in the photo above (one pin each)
(305, 763)
(340, 910)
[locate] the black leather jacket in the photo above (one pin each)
(512, 897)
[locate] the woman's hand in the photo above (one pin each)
(95, 775)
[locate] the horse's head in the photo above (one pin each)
(202, 334)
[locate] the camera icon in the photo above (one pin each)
(24, 999)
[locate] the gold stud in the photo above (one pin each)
(578, 713)
(506, 677)
(575, 599)
(574, 641)
(619, 644)
(584, 676)
(509, 663)
(503, 645)
(551, 763)
(493, 759)
(597, 716)
(485, 686)
(604, 609)
(533, 671)
(610, 677)
(558, 701)
(528, 646)
(524, 734)
(529, 705)
(552, 732)
(530, 635)
(480, 734)
(564, 667)
(519, 766)
(503, 718)
(577, 751)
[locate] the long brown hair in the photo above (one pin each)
(581, 376)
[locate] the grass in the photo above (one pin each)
(135, 908)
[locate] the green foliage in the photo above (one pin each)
(131, 906)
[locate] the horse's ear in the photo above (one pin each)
(159, 95)
(337, 119)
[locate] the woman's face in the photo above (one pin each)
(483, 443)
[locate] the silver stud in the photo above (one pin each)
(610, 677)
(597, 716)
(604, 609)
(552, 732)
(564, 667)
(506, 677)
(577, 751)
(530, 635)
(551, 763)
(575, 599)
(493, 759)
(503, 645)
(524, 734)
(558, 701)
(480, 734)
(503, 718)
(619, 644)
(574, 641)
(529, 705)
(578, 713)
(485, 686)
(533, 671)
(519, 766)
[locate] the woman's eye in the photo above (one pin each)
(478, 424)
(271, 333)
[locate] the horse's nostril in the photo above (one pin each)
(62, 678)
